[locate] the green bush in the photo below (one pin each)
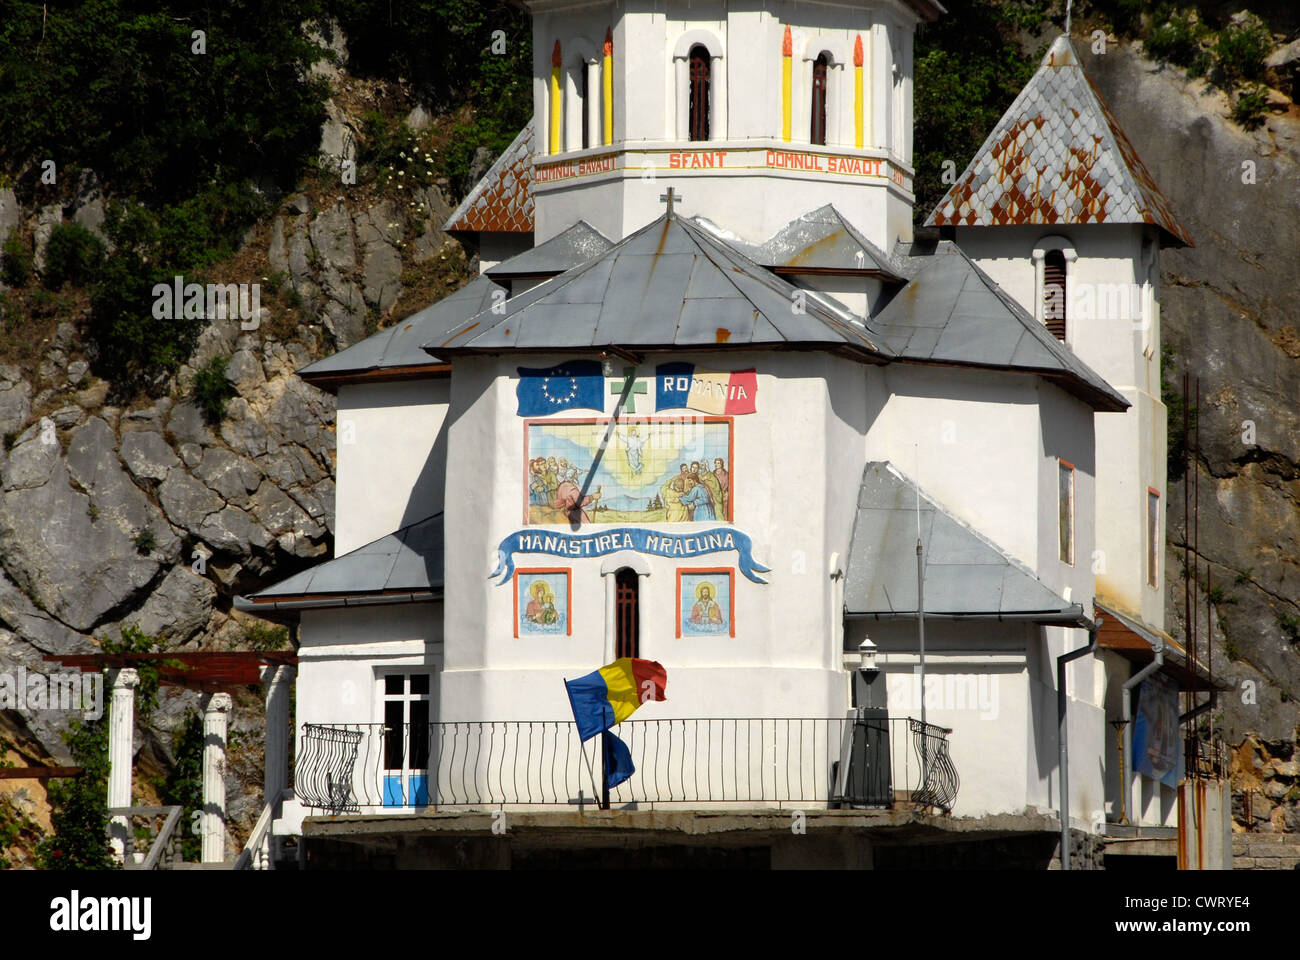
(1176, 40)
(183, 785)
(1239, 52)
(210, 390)
(1250, 105)
(73, 255)
(15, 262)
(145, 541)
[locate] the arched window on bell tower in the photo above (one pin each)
(1054, 293)
(699, 92)
(819, 80)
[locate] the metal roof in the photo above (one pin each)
(825, 240)
(965, 574)
(398, 347)
(578, 244)
(405, 565)
(1058, 156)
(669, 284)
(502, 202)
(953, 312)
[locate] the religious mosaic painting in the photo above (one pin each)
(542, 602)
(633, 470)
(705, 602)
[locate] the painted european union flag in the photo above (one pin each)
(578, 383)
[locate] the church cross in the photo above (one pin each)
(670, 198)
(629, 386)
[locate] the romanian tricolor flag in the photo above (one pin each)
(611, 694)
(709, 391)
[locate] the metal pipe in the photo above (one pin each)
(1063, 736)
(1129, 685)
(1070, 617)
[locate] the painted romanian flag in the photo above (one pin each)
(709, 391)
(611, 694)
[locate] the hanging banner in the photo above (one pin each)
(652, 542)
(1155, 731)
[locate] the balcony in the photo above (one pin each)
(859, 761)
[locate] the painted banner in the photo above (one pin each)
(1155, 731)
(680, 385)
(652, 542)
(578, 383)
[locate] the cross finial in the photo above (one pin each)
(670, 198)
(1068, 4)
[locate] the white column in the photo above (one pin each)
(278, 680)
(681, 70)
(595, 105)
(216, 718)
(121, 733)
(717, 99)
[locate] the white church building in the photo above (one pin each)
(707, 404)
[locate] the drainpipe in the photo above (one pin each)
(1125, 773)
(1063, 736)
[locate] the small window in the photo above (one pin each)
(626, 613)
(1065, 505)
(1054, 293)
(700, 79)
(1153, 538)
(587, 105)
(818, 135)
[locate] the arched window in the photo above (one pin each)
(587, 105)
(819, 100)
(626, 615)
(1054, 298)
(699, 96)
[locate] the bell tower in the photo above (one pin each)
(754, 112)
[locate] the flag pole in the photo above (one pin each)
(604, 770)
(595, 787)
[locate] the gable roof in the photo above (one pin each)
(501, 202)
(578, 244)
(404, 566)
(952, 312)
(1058, 156)
(965, 573)
(669, 284)
(824, 240)
(396, 352)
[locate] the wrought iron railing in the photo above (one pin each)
(845, 761)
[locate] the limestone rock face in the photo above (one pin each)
(1229, 315)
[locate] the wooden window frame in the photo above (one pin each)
(635, 618)
(1069, 515)
(820, 95)
(699, 78)
(1153, 538)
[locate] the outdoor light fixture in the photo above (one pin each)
(867, 656)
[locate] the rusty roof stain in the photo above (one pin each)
(1058, 155)
(502, 202)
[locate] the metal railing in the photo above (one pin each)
(843, 761)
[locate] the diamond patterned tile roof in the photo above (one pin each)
(824, 239)
(502, 202)
(1057, 156)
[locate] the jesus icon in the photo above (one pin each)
(706, 609)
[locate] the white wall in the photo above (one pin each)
(796, 467)
(392, 473)
(1114, 326)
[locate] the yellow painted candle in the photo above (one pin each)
(859, 105)
(787, 85)
(607, 76)
(557, 101)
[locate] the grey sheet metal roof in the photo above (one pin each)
(399, 346)
(824, 240)
(966, 575)
(671, 283)
(953, 312)
(1058, 156)
(407, 563)
(564, 251)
